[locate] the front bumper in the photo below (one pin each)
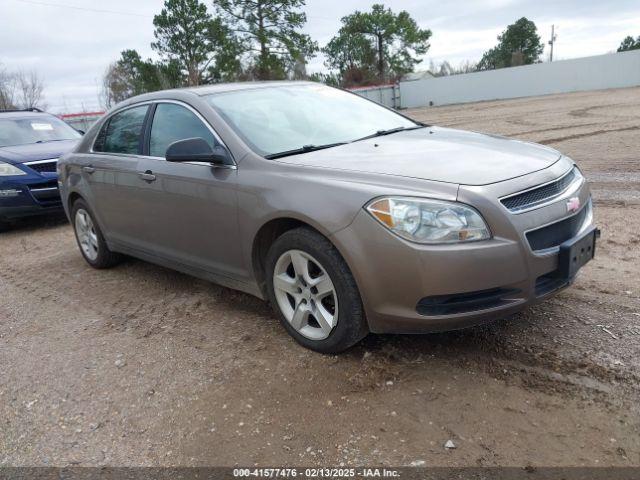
(29, 195)
(403, 285)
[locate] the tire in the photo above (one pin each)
(95, 252)
(325, 322)
(4, 226)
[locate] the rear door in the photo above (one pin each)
(112, 173)
(189, 210)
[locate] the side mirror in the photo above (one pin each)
(197, 150)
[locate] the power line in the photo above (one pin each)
(116, 12)
(86, 9)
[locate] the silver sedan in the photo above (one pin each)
(348, 217)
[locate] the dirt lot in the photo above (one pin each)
(140, 365)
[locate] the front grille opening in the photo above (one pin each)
(49, 167)
(557, 233)
(47, 184)
(550, 282)
(539, 195)
(466, 302)
(46, 193)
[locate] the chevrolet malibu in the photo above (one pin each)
(348, 217)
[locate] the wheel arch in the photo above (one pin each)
(357, 325)
(73, 198)
(267, 234)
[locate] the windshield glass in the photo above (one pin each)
(34, 129)
(282, 118)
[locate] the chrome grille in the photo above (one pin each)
(539, 195)
(43, 165)
(45, 192)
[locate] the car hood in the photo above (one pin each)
(35, 151)
(438, 154)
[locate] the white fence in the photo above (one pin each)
(388, 95)
(614, 70)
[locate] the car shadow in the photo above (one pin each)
(492, 338)
(30, 224)
(489, 344)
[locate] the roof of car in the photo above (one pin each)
(179, 93)
(21, 113)
(229, 87)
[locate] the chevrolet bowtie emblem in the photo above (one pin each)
(573, 204)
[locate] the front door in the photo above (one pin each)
(188, 210)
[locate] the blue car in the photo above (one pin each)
(30, 144)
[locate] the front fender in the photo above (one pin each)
(327, 200)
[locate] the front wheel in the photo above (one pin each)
(314, 293)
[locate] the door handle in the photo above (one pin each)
(148, 176)
(89, 169)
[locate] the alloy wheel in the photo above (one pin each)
(86, 232)
(305, 294)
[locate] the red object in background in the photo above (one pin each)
(83, 114)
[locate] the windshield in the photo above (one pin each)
(283, 118)
(34, 129)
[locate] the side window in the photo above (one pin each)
(121, 133)
(98, 144)
(173, 122)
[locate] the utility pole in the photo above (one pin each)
(552, 41)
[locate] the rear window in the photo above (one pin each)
(34, 129)
(122, 132)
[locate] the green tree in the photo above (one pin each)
(395, 41)
(629, 44)
(270, 32)
(519, 44)
(202, 46)
(327, 78)
(353, 57)
(131, 75)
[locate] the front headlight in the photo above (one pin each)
(6, 170)
(429, 221)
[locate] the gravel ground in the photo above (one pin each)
(140, 365)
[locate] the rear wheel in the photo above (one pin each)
(314, 293)
(90, 239)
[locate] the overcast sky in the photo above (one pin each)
(71, 42)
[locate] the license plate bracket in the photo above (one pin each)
(576, 253)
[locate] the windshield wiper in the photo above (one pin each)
(55, 140)
(382, 133)
(303, 149)
(313, 148)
